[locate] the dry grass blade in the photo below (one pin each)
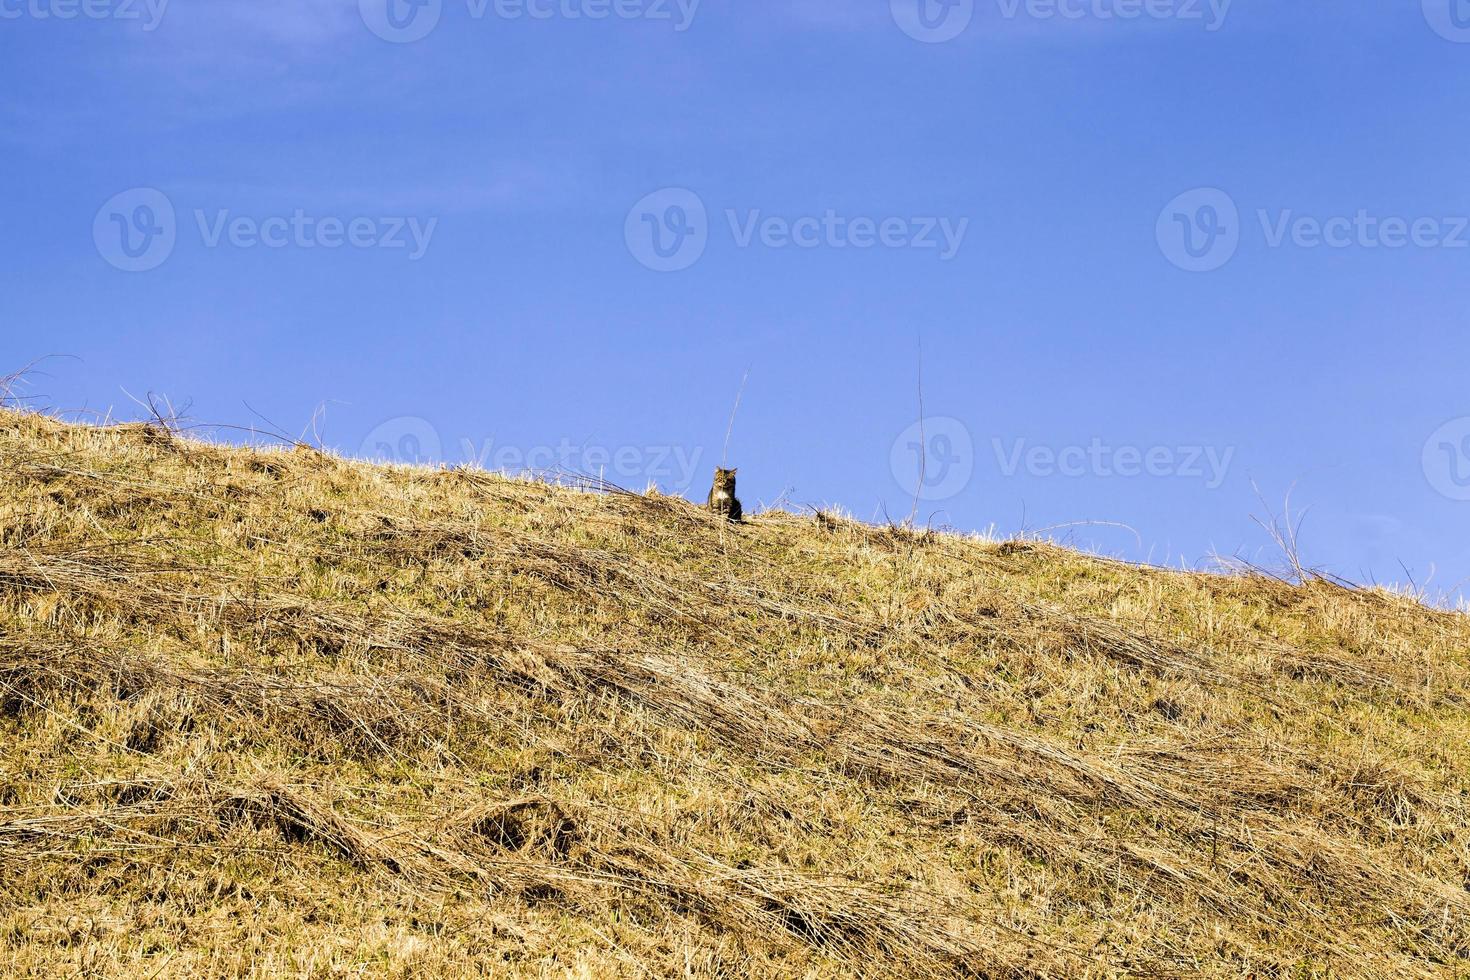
(273, 712)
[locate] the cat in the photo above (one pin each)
(722, 498)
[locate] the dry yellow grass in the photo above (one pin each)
(271, 712)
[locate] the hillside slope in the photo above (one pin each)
(276, 713)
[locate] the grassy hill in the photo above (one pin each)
(272, 712)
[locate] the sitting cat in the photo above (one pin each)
(722, 498)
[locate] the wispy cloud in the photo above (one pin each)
(516, 186)
(828, 16)
(206, 42)
(1045, 21)
(293, 22)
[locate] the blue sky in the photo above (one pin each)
(1163, 256)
